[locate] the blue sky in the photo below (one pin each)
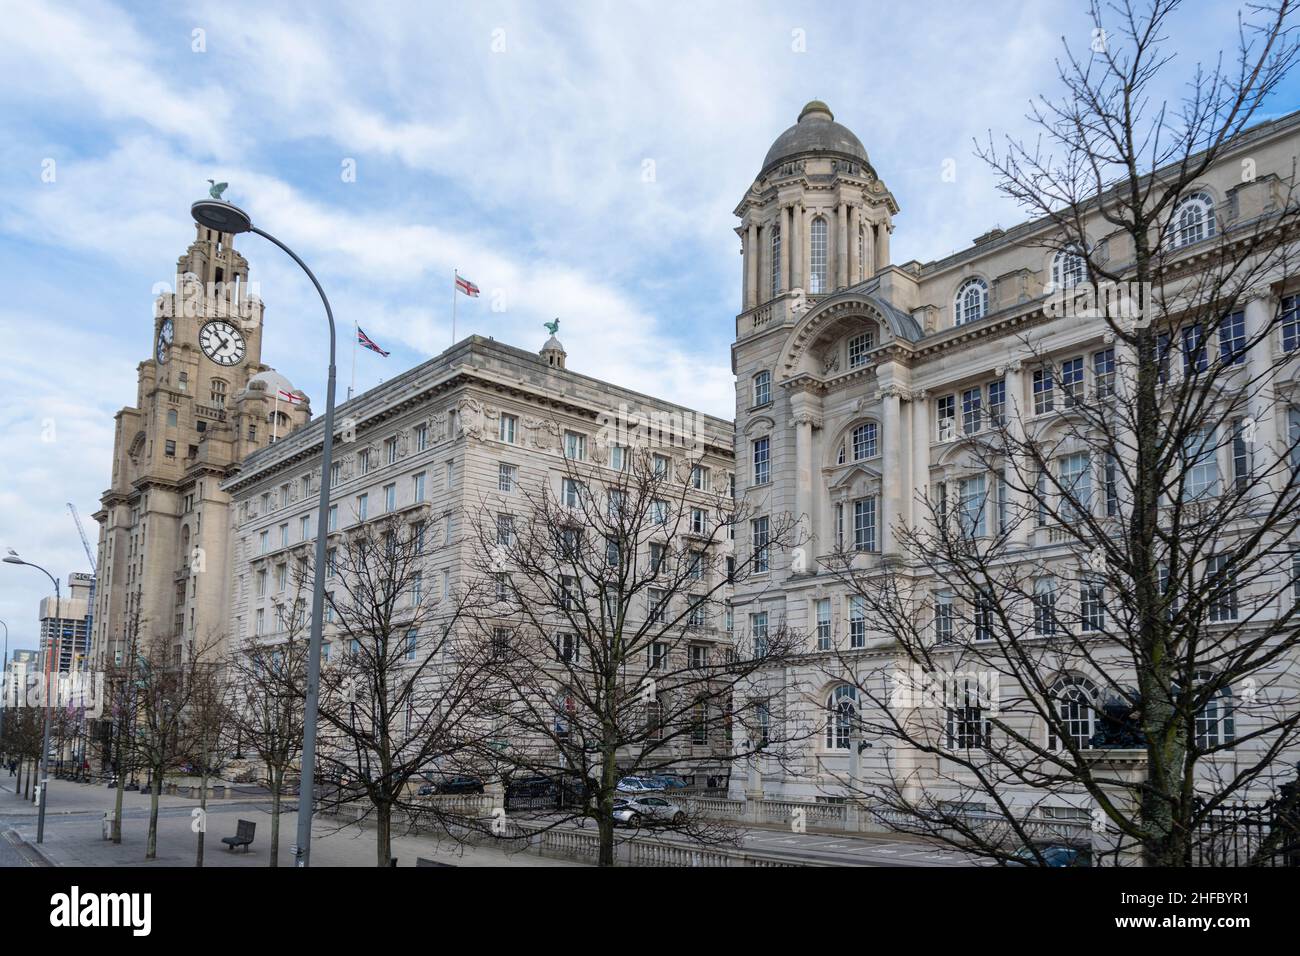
(508, 140)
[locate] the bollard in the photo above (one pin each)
(108, 824)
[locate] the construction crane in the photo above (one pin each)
(90, 556)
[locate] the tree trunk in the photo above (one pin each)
(18, 783)
(383, 832)
(203, 813)
(151, 849)
(605, 812)
(277, 781)
(117, 806)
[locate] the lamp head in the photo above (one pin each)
(221, 216)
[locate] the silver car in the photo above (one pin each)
(646, 811)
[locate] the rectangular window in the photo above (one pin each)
(972, 492)
(575, 446)
(1072, 381)
(334, 518)
(1075, 477)
(758, 627)
(421, 437)
(1195, 357)
(658, 655)
(997, 403)
(390, 451)
(336, 474)
(1111, 477)
(972, 411)
(506, 428)
(618, 458)
(284, 535)
(281, 577)
(390, 498)
(259, 622)
(1103, 373)
(1232, 339)
(1044, 607)
(864, 441)
(1044, 397)
(657, 554)
(304, 528)
(1222, 597)
(983, 615)
(572, 492)
(363, 507)
(1291, 323)
(1092, 607)
(1240, 455)
(859, 346)
(699, 478)
(857, 621)
(864, 524)
(505, 530)
(1201, 465)
(758, 535)
(364, 459)
(261, 584)
(661, 466)
(823, 611)
(946, 414)
(762, 463)
(699, 521)
(566, 648)
(699, 656)
(944, 619)
(506, 477)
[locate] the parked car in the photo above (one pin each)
(1055, 854)
(647, 812)
(638, 785)
(524, 787)
(448, 785)
(670, 781)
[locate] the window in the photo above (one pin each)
(1240, 455)
(334, 518)
(1193, 220)
(571, 490)
(997, 402)
(171, 417)
(1195, 358)
(841, 717)
(575, 446)
(421, 437)
(618, 457)
(1291, 323)
(613, 552)
(506, 428)
(169, 448)
(1043, 394)
(281, 577)
(1222, 587)
(259, 622)
(390, 451)
(1201, 465)
(1103, 373)
(417, 536)
(982, 607)
(1045, 607)
(1073, 700)
(1068, 268)
(390, 498)
(1072, 381)
(1232, 338)
(973, 495)
(505, 530)
(657, 555)
(331, 562)
(762, 463)
(965, 723)
(945, 619)
(336, 473)
(699, 521)
(864, 441)
(363, 459)
(615, 504)
(758, 534)
(699, 656)
(864, 524)
(363, 507)
(659, 511)
(946, 412)
(662, 465)
(823, 613)
(656, 605)
(859, 346)
(762, 388)
(699, 478)
(1075, 477)
(971, 411)
(500, 642)
(1092, 606)
(1214, 720)
(566, 648)
(775, 256)
(412, 637)
(506, 477)
(218, 393)
(261, 584)
(284, 535)
(817, 274)
(972, 301)
(304, 528)
(698, 615)
(417, 588)
(658, 655)
(1110, 476)
(857, 620)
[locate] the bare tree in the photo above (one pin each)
(1115, 620)
(209, 716)
(609, 643)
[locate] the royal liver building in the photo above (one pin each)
(987, 561)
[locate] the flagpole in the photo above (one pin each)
(455, 277)
(355, 335)
(275, 417)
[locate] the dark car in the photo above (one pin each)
(1055, 854)
(670, 781)
(530, 787)
(460, 784)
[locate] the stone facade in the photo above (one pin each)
(832, 337)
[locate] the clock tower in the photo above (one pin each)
(204, 402)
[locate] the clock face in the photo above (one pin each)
(166, 333)
(222, 342)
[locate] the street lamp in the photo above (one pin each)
(4, 675)
(43, 785)
(224, 217)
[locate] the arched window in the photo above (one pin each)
(776, 260)
(762, 388)
(841, 715)
(972, 301)
(1193, 220)
(1068, 269)
(864, 441)
(817, 276)
(1214, 721)
(1074, 701)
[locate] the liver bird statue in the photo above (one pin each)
(217, 188)
(552, 327)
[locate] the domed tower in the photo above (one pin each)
(817, 217)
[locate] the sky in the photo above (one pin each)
(575, 160)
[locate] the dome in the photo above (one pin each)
(271, 382)
(815, 132)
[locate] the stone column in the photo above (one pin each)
(855, 267)
(803, 419)
(784, 220)
(751, 266)
(868, 250)
(891, 462)
(920, 458)
(841, 246)
(796, 249)
(882, 246)
(1019, 513)
(1272, 432)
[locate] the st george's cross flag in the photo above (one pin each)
(289, 397)
(464, 285)
(367, 343)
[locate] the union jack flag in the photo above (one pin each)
(367, 343)
(464, 285)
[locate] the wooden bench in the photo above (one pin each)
(243, 836)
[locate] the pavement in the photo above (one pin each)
(73, 834)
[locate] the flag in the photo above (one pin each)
(365, 342)
(289, 397)
(464, 285)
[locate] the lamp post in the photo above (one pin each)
(43, 785)
(4, 694)
(224, 217)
